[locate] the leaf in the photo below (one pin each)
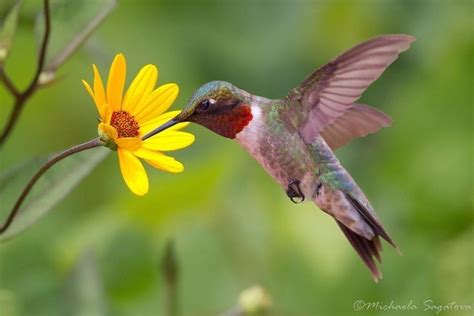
(51, 188)
(7, 31)
(84, 291)
(72, 22)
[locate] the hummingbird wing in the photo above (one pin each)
(359, 120)
(331, 90)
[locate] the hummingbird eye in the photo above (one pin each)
(205, 104)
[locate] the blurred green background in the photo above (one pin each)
(232, 225)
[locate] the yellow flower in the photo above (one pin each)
(125, 119)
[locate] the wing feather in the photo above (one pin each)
(358, 121)
(332, 89)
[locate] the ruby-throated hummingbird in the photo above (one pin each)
(293, 138)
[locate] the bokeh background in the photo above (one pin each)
(232, 226)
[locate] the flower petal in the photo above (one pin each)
(89, 89)
(158, 121)
(116, 82)
(133, 172)
(107, 114)
(172, 166)
(129, 143)
(99, 92)
(108, 130)
(159, 160)
(158, 102)
(140, 88)
(97, 100)
(169, 140)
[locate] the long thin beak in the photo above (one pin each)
(166, 125)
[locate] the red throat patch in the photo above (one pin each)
(242, 117)
(231, 123)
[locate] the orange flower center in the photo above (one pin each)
(125, 124)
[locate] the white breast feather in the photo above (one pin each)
(249, 136)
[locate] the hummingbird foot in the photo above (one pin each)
(294, 191)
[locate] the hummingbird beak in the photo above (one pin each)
(161, 128)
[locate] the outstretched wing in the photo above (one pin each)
(332, 89)
(358, 121)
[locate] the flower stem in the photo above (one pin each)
(169, 268)
(48, 164)
(22, 97)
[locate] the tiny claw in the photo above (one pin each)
(297, 199)
(294, 192)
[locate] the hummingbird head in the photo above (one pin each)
(217, 105)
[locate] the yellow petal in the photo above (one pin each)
(159, 160)
(178, 126)
(99, 92)
(140, 88)
(100, 106)
(172, 166)
(116, 82)
(129, 143)
(89, 89)
(169, 140)
(133, 172)
(109, 130)
(158, 121)
(158, 102)
(107, 114)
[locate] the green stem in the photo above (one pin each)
(48, 164)
(170, 275)
(22, 97)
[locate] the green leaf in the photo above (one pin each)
(51, 188)
(71, 24)
(7, 31)
(84, 291)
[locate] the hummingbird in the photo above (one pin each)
(293, 138)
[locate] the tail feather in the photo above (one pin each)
(366, 249)
(338, 195)
(376, 251)
(373, 222)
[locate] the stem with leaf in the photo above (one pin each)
(169, 268)
(22, 97)
(48, 164)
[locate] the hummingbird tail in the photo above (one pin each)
(366, 249)
(353, 213)
(371, 219)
